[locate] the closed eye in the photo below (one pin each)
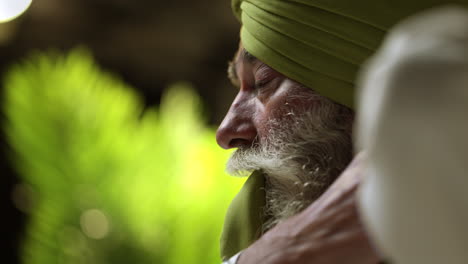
(264, 75)
(262, 83)
(264, 89)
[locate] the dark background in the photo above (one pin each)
(148, 43)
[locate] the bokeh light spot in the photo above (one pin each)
(94, 223)
(10, 9)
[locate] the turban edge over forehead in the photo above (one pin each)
(321, 43)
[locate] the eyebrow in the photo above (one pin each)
(248, 56)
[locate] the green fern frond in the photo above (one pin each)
(113, 184)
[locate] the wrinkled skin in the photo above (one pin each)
(264, 94)
(329, 231)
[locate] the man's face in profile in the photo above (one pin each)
(264, 95)
(299, 139)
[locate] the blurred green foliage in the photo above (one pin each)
(109, 181)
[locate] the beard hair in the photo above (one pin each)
(304, 153)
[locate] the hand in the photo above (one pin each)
(327, 232)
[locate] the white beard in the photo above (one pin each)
(300, 159)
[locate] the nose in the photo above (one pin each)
(237, 128)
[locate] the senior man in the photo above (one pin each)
(292, 124)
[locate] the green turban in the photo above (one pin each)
(321, 43)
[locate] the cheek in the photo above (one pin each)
(289, 101)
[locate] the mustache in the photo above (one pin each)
(245, 160)
(300, 158)
(270, 155)
(315, 141)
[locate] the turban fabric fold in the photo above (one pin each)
(321, 43)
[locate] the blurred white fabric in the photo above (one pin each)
(413, 124)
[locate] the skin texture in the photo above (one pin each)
(329, 230)
(263, 93)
